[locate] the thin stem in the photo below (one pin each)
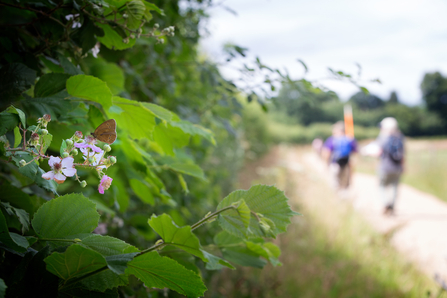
(59, 239)
(205, 219)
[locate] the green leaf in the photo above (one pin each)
(171, 234)
(19, 199)
(65, 216)
(11, 240)
(151, 6)
(46, 142)
(107, 246)
(50, 83)
(63, 147)
(132, 118)
(236, 221)
(113, 40)
(118, 263)
(75, 262)
(243, 256)
(267, 201)
(90, 88)
(183, 183)
(169, 137)
(104, 280)
(69, 67)
(21, 214)
(16, 78)
(110, 73)
(20, 113)
(135, 12)
(7, 122)
(17, 137)
(56, 105)
(142, 190)
(194, 129)
(87, 34)
(161, 272)
(226, 239)
(216, 263)
(182, 167)
(3, 288)
(30, 170)
(158, 111)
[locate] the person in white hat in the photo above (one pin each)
(391, 166)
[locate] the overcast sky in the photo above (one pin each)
(396, 41)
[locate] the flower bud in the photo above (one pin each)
(83, 183)
(140, 30)
(132, 36)
(22, 163)
(34, 140)
(65, 154)
(47, 117)
(44, 132)
(107, 148)
(78, 135)
(91, 160)
(156, 25)
(112, 159)
(75, 151)
(125, 15)
(126, 40)
(69, 142)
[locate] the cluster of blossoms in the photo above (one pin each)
(94, 157)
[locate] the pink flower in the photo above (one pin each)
(105, 183)
(90, 143)
(60, 169)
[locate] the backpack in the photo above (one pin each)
(394, 149)
(341, 150)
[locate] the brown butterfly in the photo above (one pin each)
(106, 131)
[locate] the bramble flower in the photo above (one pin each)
(60, 169)
(88, 142)
(105, 183)
(78, 135)
(95, 50)
(95, 159)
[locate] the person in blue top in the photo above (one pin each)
(338, 150)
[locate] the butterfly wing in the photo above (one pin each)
(106, 132)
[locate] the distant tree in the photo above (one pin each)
(434, 94)
(393, 98)
(366, 101)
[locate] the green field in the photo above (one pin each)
(425, 166)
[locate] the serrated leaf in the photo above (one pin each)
(169, 138)
(158, 111)
(7, 122)
(194, 129)
(16, 78)
(110, 73)
(55, 105)
(237, 220)
(90, 88)
(171, 234)
(104, 280)
(20, 113)
(50, 83)
(113, 40)
(21, 214)
(266, 200)
(216, 263)
(75, 262)
(69, 67)
(241, 255)
(161, 272)
(135, 12)
(46, 142)
(267, 250)
(118, 263)
(65, 216)
(142, 190)
(107, 246)
(17, 137)
(226, 239)
(11, 240)
(132, 118)
(30, 170)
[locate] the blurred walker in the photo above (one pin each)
(338, 150)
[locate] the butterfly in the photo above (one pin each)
(106, 132)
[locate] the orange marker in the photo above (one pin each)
(349, 121)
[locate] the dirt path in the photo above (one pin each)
(419, 227)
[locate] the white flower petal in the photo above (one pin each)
(59, 178)
(69, 172)
(53, 160)
(67, 162)
(48, 175)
